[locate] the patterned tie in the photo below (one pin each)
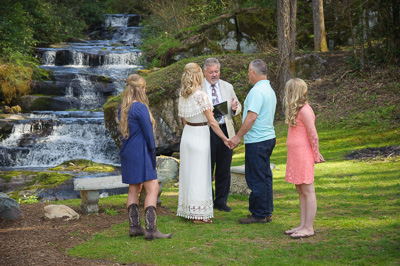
(214, 95)
(215, 100)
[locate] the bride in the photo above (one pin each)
(195, 188)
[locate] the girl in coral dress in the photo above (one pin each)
(302, 154)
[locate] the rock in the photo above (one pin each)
(9, 208)
(60, 211)
(309, 66)
(7, 109)
(238, 180)
(61, 103)
(167, 169)
(15, 109)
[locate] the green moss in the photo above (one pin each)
(51, 179)
(83, 165)
(41, 104)
(8, 175)
(105, 79)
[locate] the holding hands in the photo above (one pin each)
(233, 142)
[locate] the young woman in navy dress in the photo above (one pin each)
(138, 157)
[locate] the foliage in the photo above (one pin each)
(16, 34)
(111, 211)
(157, 46)
(27, 199)
(15, 76)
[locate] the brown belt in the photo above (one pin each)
(197, 124)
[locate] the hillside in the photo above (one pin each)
(339, 94)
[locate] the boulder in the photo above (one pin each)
(167, 169)
(60, 211)
(309, 66)
(9, 208)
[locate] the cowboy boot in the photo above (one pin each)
(135, 228)
(151, 225)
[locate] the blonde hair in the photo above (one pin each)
(295, 98)
(192, 78)
(134, 91)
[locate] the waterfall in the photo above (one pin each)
(50, 138)
(85, 74)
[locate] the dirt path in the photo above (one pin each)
(33, 239)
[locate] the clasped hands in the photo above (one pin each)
(233, 142)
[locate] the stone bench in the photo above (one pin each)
(167, 170)
(238, 180)
(89, 190)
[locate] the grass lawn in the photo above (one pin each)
(357, 221)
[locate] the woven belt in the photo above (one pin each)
(197, 124)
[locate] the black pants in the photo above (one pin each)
(221, 158)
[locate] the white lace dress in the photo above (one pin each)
(195, 193)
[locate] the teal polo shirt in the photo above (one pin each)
(262, 101)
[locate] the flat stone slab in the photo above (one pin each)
(96, 183)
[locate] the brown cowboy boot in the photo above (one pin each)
(135, 228)
(151, 225)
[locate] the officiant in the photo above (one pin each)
(226, 104)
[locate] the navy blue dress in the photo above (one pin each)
(138, 156)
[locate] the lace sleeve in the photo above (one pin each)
(308, 118)
(202, 100)
(195, 104)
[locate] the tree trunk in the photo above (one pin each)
(367, 29)
(287, 10)
(353, 37)
(319, 26)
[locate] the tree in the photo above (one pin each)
(287, 10)
(319, 26)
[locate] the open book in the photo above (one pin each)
(220, 109)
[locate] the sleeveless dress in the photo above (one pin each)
(302, 148)
(138, 153)
(195, 187)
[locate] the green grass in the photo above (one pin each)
(357, 220)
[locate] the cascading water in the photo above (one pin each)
(84, 75)
(50, 138)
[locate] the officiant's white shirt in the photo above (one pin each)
(220, 99)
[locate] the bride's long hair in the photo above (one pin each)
(134, 91)
(192, 78)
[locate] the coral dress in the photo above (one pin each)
(302, 148)
(195, 188)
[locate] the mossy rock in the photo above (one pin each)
(35, 103)
(104, 79)
(82, 165)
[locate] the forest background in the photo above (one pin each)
(369, 28)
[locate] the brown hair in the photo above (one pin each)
(134, 91)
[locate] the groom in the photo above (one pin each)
(221, 156)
